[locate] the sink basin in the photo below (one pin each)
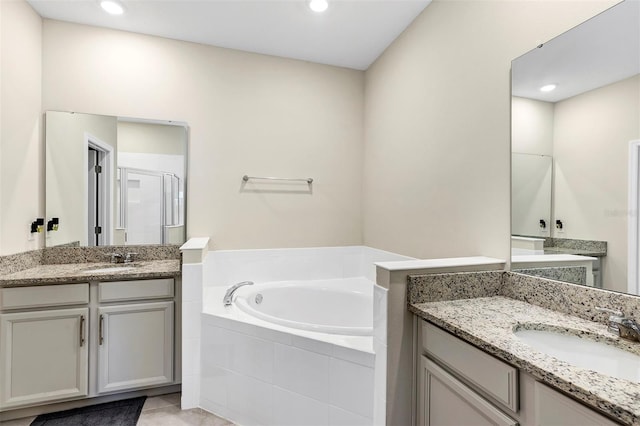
(108, 269)
(584, 353)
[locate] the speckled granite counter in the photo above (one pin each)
(82, 272)
(481, 315)
(576, 251)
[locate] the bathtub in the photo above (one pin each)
(304, 353)
(339, 306)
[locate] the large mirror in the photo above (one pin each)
(576, 104)
(114, 180)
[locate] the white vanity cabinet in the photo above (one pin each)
(135, 334)
(43, 348)
(67, 342)
(458, 384)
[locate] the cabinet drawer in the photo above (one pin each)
(120, 291)
(444, 400)
(496, 378)
(44, 296)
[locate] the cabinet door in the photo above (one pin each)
(43, 356)
(135, 346)
(554, 409)
(445, 401)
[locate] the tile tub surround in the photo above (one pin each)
(489, 322)
(485, 315)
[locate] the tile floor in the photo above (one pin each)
(160, 411)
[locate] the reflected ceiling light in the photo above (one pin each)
(548, 87)
(318, 6)
(112, 7)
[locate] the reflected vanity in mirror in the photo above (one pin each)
(574, 218)
(114, 181)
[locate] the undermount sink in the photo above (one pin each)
(108, 269)
(584, 352)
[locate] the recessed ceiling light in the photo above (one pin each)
(548, 87)
(318, 5)
(112, 7)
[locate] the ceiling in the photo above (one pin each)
(601, 51)
(351, 33)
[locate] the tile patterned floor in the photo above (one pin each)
(160, 411)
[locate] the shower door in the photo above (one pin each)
(144, 207)
(149, 203)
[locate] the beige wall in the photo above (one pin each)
(151, 138)
(437, 129)
(591, 154)
(247, 113)
(437, 125)
(21, 165)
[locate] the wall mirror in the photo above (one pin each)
(114, 180)
(576, 103)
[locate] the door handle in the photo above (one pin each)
(82, 330)
(101, 329)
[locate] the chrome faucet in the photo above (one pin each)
(629, 329)
(626, 328)
(115, 257)
(128, 257)
(228, 297)
(615, 319)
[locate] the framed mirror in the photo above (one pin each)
(576, 102)
(114, 180)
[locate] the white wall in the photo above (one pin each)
(66, 171)
(21, 153)
(531, 187)
(437, 125)
(247, 113)
(591, 150)
(531, 126)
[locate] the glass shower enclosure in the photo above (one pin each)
(149, 206)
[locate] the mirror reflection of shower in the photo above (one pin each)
(149, 205)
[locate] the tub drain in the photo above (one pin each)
(258, 299)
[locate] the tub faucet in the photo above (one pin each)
(228, 297)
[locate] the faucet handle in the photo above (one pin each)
(613, 312)
(115, 257)
(128, 258)
(615, 318)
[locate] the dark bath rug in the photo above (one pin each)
(117, 413)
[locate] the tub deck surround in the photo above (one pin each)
(77, 272)
(487, 316)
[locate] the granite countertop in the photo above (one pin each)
(78, 272)
(489, 322)
(579, 252)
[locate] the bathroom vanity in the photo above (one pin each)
(87, 330)
(474, 365)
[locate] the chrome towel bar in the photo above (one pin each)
(308, 180)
